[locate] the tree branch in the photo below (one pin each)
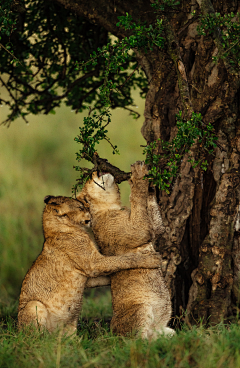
(174, 52)
(103, 165)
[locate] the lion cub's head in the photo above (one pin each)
(62, 213)
(101, 191)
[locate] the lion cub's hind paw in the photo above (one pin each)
(166, 331)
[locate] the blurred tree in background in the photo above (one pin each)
(189, 54)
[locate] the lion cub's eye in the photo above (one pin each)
(87, 221)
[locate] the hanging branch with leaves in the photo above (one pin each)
(164, 166)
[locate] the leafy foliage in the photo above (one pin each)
(116, 55)
(165, 166)
(229, 27)
(8, 22)
(91, 133)
(7, 18)
(163, 5)
(48, 43)
(143, 37)
(55, 60)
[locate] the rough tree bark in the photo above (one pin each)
(200, 246)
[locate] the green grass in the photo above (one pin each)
(97, 304)
(95, 346)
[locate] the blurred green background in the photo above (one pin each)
(36, 160)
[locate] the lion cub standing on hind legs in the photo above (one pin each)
(140, 298)
(51, 294)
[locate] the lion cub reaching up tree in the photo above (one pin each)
(51, 294)
(140, 298)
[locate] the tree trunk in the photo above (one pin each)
(200, 246)
(200, 263)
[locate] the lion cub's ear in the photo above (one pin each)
(56, 207)
(84, 202)
(47, 198)
(50, 200)
(81, 197)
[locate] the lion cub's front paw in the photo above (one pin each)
(152, 259)
(139, 170)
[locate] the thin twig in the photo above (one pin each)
(133, 111)
(108, 140)
(129, 77)
(195, 88)
(192, 20)
(99, 185)
(14, 57)
(231, 47)
(16, 109)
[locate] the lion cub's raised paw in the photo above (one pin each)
(137, 181)
(139, 170)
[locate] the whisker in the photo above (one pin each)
(99, 185)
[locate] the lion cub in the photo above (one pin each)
(52, 291)
(140, 298)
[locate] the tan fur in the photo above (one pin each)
(141, 301)
(51, 294)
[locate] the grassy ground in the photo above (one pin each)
(95, 346)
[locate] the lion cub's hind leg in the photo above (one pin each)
(139, 320)
(34, 313)
(70, 329)
(146, 314)
(147, 325)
